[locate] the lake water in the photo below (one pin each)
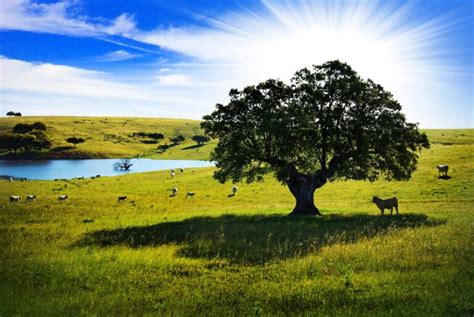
(52, 169)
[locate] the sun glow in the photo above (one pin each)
(395, 46)
(421, 51)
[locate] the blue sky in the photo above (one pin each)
(179, 58)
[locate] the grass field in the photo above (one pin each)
(242, 255)
(109, 137)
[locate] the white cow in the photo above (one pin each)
(15, 199)
(234, 190)
(30, 198)
(62, 197)
(174, 191)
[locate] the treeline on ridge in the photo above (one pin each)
(26, 137)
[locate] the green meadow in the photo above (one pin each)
(111, 137)
(217, 254)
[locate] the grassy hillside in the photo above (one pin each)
(109, 137)
(220, 255)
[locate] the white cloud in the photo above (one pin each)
(43, 88)
(395, 46)
(118, 55)
(174, 80)
(59, 18)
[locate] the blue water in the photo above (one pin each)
(52, 169)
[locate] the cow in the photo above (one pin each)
(442, 170)
(15, 199)
(383, 204)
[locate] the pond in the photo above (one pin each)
(52, 169)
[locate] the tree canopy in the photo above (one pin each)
(75, 140)
(13, 114)
(200, 139)
(328, 123)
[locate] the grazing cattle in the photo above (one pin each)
(442, 169)
(383, 204)
(172, 173)
(15, 199)
(121, 198)
(174, 191)
(30, 198)
(181, 170)
(10, 179)
(62, 197)
(23, 179)
(190, 194)
(234, 190)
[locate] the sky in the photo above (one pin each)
(178, 58)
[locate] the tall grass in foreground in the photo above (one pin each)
(215, 254)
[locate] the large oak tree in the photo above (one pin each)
(328, 124)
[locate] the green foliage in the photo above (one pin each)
(177, 140)
(157, 255)
(13, 114)
(200, 139)
(75, 140)
(162, 148)
(26, 137)
(328, 123)
(151, 135)
(11, 142)
(26, 128)
(113, 137)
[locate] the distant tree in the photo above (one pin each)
(123, 164)
(26, 128)
(22, 128)
(162, 148)
(41, 141)
(200, 139)
(39, 126)
(11, 142)
(328, 124)
(75, 140)
(10, 113)
(177, 140)
(17, 114)
(156, 136)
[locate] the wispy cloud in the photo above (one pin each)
(38, 88)
(60, 18)
(116, 56)
(396, 45)
(174, 80)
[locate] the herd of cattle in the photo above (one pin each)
(382, 204)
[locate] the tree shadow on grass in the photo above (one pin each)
(61, 148)
(191, 147)
(256, 239)
(445, 177)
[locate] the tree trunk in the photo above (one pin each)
(305, 203)
(303, 187)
